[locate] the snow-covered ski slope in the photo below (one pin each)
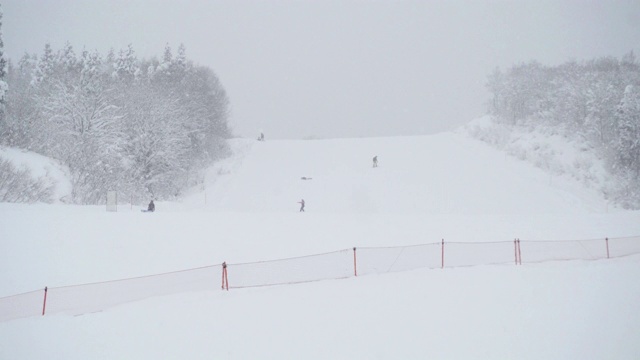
(440, 174)
(425, 189)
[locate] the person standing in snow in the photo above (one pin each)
(301, 202)
(152, 207)
(375, 161)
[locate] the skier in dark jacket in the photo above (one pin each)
(301, 202)
(152, 207)
(375, 161)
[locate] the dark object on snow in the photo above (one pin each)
(261, 137)
(301, 202)
(152, 207)
(375, 161)
(306, 178)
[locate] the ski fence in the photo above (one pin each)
(95, 297)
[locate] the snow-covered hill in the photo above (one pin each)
(436, 174)
(49, 171)
(548, 149)
(426, 188)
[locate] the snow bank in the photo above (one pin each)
(50, 171)
(558, 155)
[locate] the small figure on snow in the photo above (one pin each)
(152, 207)
(261, 137)
(375, 161)
(301, 202)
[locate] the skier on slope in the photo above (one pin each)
(301, 202)
(152, 207)
(375, 161)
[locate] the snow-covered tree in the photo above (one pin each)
(66, 59)
(144, 127)
(3, 86)
(627, 161)
(180, 62)
(18, 185)
(126, 65)
(156, 148)
(595, 101)
(628, 124)
(45, 68)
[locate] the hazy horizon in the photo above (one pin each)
(299, 69)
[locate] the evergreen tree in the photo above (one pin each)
(3, 64)
(627, 164)
(4, 87)
(46, 65)
(126, 65)
(181, 59)
(628, 123)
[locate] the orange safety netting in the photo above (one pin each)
(88, 298)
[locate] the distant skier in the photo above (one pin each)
(152, 207)
(375, 161)
(261, 137)
(301, 202)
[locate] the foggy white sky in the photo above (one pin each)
(296, 69)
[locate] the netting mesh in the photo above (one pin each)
(22, 305)
(393, 259)
(87, 298)
(540, 251)
(334, 265)
(471, 254)
(626, 246)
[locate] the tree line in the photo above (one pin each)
(596, 100)
(145, 127)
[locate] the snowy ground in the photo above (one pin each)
(425, 189)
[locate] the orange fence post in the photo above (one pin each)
(44, 303)
(442, 260)
(355, 268)
(225, 279)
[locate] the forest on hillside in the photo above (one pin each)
(596, 101)
(144, 127)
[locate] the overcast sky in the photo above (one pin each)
(297, 69)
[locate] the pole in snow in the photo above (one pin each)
(355, 268)
(44, 303)
(225, 279)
